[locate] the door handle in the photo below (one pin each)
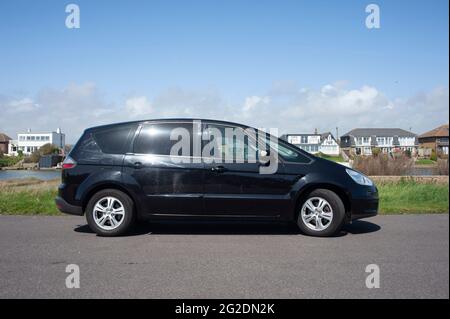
(219, 169)
(138, 165)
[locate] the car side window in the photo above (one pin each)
(290, 155)
(159, 138)
(228, 144)
(114, 140)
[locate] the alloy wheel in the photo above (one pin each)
(108, 213)
(317, 213)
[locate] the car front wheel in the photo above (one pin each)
(110, 212)
(322, 213)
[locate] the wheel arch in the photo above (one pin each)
(108, 185)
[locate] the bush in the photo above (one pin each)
(433, 156)
(408, 153)
(376, 151)
(9, 160)
(384, 165)
(45, 149)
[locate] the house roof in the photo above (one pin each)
(441, 131)
(4, 138)
(368, 132)
(302, 134)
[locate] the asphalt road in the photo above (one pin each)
(225, 261)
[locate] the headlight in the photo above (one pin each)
(359, 178)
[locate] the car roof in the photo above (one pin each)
(168, 120)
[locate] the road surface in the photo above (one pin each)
(225, 260)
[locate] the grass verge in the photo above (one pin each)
(409, 197)
(35, 197)
(28, 197)
(425, 161)
(331, 158)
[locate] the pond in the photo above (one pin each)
(17, 174)
(423, 171)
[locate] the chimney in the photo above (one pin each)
(28, 130)
(315, 131)
(58, 130)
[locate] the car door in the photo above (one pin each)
(238, 188)
(169, 183)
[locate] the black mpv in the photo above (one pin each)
(206, 169)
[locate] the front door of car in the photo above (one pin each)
(237, 187)
(168, 183)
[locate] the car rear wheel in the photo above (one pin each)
(321, 213)
(110, 212)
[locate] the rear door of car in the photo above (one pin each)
(170, 184)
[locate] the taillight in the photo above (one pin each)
(69, 163)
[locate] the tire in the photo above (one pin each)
(321, 213)
(110, 212)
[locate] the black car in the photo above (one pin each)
(196, 169)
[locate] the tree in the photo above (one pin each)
(48, 149)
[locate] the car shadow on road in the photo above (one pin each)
(231, 228)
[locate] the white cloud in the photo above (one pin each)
(138, 106)
(285, 106)
(252, 102)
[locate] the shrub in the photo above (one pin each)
(376, 151)
(45, 149)
(9, 160)
(408, 153)
(384, 165)
(433, 155)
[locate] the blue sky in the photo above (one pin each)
(228, 51)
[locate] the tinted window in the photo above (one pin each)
(291, 155)
(156, 138)
(94, 144)
(114, 140)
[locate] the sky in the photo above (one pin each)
(295, 66)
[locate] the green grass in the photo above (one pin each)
(28, 197)
(425, 161)
(34, 197)
(331, 158)
(26, 203)
(408, 197)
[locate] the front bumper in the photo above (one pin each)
(365, 206)
(67, 208)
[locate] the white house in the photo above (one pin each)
(329, 145)
(32, 141)
(314, 143)
(361, 141)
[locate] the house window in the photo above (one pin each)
(304, 139)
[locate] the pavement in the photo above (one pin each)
(186, 260)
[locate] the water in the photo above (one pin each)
(43, 175)
(423, 171)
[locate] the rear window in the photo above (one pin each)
(114, 140)
(93, 144)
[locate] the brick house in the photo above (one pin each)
(4, 143)
(436, 139)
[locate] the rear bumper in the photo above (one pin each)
(67, 208)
